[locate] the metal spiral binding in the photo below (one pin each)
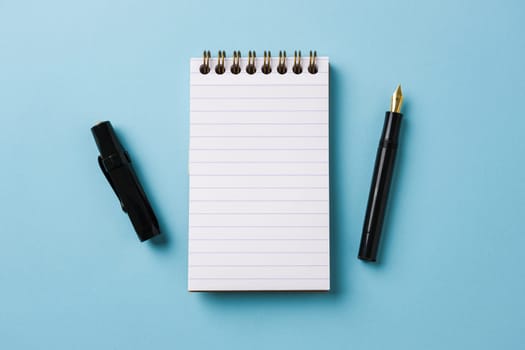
(219, 68)
(250, 68)
(312, 67)
(236, 66)
(297, 68)
(205, 66)
(266, 68)
(281, 68)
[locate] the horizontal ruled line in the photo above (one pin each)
(259, 200)
(258, 84)
(258, 136)
(263, 265)
(256, 226)
(255, 252)
(208, 174)
(256, 123)
(259, 278)
(259, 162)
(258, 98)
(258, 239)
(259, 213)
(257, 110)
(258, 188)
(258, 149)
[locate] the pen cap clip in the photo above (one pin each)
(106, 174)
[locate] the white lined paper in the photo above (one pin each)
(259, 179)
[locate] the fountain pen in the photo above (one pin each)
(382, 177)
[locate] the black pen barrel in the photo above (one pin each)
(380, 187)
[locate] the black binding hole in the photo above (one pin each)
(235, 69)
(312, 69)
(250, 69)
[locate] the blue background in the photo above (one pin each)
(451, 273)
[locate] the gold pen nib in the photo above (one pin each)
(397, 100)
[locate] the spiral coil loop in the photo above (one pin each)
(236, 65)
(205, 66)
(250, 68)
(297, 68)
(281, 68)
(219, 68)
(266, 68)
(312, 67)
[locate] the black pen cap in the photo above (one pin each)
(115, 163)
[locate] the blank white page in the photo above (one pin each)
(259, 184)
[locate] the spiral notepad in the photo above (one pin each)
(258, 166)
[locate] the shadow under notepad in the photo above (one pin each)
(336, 210)
(337, 177)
